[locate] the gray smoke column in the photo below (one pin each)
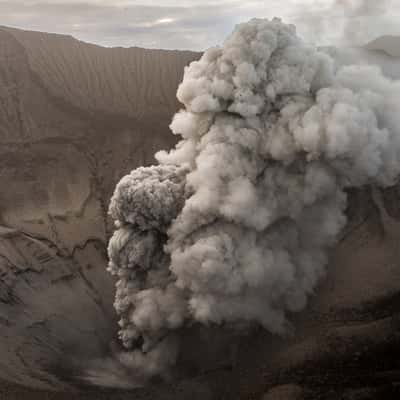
(234, 224)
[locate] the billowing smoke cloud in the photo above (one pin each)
(234, 225)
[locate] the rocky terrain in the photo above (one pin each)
(74, 118)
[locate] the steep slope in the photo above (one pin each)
(134, 82)
(74, 118)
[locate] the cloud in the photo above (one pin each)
(170, 26)
(194, 24)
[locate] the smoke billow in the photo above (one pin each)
(234, 224)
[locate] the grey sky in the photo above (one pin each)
(196, 24)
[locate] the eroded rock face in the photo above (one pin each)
(74, 118)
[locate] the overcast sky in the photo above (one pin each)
(196, 24)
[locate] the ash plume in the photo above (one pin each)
(234, 225)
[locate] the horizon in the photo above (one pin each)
(195, 26)
(68, 35)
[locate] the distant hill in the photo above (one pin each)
(387, 44)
